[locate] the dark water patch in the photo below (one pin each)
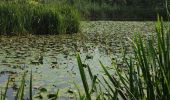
(3, 78)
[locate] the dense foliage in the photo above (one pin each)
(33, 17)
(113, 9)
(117, 9)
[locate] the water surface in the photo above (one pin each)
(52, 58)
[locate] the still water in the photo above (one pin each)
(52, 59)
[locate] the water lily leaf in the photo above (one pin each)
(39, 96)
(52, 95)
(43, 90)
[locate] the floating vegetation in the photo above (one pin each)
(23, 53)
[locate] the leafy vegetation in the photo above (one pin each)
(117, 9)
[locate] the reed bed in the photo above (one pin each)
(36, 18)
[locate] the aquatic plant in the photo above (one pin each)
(35, 18)
(71, 19)
(20, 93)
(45, 21)
(10, 22)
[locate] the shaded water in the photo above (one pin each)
(53, 58)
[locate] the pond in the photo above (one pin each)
(52, 58)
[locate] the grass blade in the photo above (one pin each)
(30, 94)
(83, 77)
(6, 88)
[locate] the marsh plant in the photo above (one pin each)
(36, 18)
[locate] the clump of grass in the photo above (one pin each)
(45, 21)
(148, 75)
(35, 18)
(10, 22)
(71, 16)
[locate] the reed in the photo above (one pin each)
(10, 22)
(36, 18)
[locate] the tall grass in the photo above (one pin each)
(148, 75)
(71, 16)
(10, 21)
(36, 18)
(45, 21)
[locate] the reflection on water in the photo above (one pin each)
(3, 78)
(53, 58)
